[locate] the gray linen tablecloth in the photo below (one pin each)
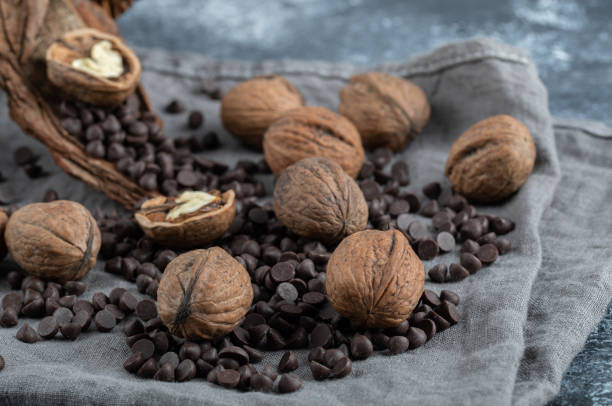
(524, 318)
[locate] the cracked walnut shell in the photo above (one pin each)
(309, 132)
(491, 160)
(93, 66)
(249, 107)
(315, 198)
(204, 294)
(58, 240)
(375, 279)
(189, 220)
(389, 111)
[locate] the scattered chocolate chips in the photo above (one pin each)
(48, 327)
(27, 334)
(289, 383)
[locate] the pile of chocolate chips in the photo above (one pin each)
(290, 308)
(135, 143)
(62, 312)
(453, 219)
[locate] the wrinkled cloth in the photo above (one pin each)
(523, 319)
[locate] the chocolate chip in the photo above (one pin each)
(487, 254)
(416, 337)
(470, 262)
(146, 309)
(105, 321)
(321, 336)
(400, 171)
(418, 231)
(503, 245)
(449, 312)
(428, 326)
(398, 344)
(145, 346)
(175, 106)
(332, 356)
(63, 316)
(134, 362)
(235, 353)
(399, 207)
(24, 155)
(185, 371)
(193, 351)
(432, 190)
(115, 311)
(27, 334)
(445, 241)
(289, 383)
(148, 369)
(228, 378)
(319, 371)
(448, 296)
(472, 229)
(115, 295)
(342, 367)
(441, 322)
(83, 319)
(48, 327)
(171, 358)
(128, 303)
(195, 120)
(288, 362)
(457, 272)
(99, 301)
(187, 178)
(501, 225)
(438, 273)
(71, 330)
(287, 291)
(165, 373)
(427, 249)
(261, 383)
(470, 246)
(282, 272)
(430, 209)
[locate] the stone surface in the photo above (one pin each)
(568, 39)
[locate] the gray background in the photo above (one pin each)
(569, 40)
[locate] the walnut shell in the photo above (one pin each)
(387, 110)
(89, 88)
(491, 160)
(308, 132)
(204, 294)
(375, 279)
(58, 240)
(3, 221)
(193, 231)
(315, 198)
(249, 107)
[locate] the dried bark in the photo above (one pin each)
(27, 27)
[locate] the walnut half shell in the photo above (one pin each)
(190, 228)
(90, 86)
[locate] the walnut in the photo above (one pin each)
(309, 132)
(315, 198)
(58, 240)
(204, 294)
(491, 160)
(93, 66)
(3, 221)
(375, 279)
(189, 220)
(249, 107)
(387, 110)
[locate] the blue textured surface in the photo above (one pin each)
(571, 42)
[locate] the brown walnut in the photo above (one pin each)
(308, 132)
(387, 110)
(58, 240)
(375, 279)
(249, 107)
(315, 198)
(102, 87)
(207, 221)
(3, 221)
(204, 294)
(491, 160)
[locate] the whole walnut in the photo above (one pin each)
(387, 110)
(249, 107)
(58, 240)
(315, 198)
(204, 294)
(3, 221)
(491, 160)
(308, 132)
(375, 279)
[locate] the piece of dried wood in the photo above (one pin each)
(27, 27)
